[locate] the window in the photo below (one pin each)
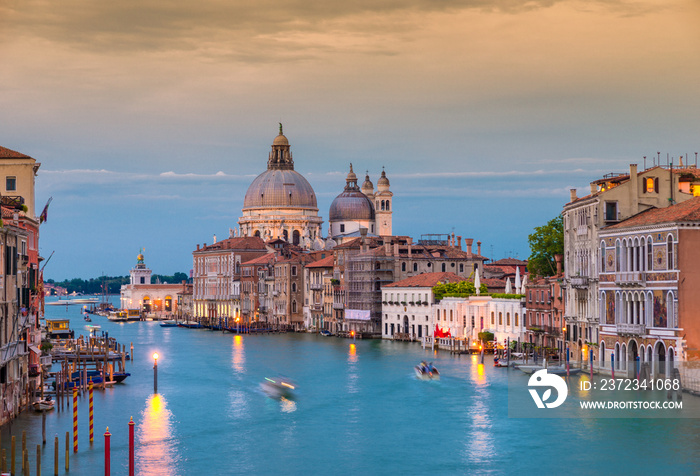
(294, 270)
(403, 266)
(294, 287)
(415, 266)
(294, 306)
(493, 321)
(461, 267)
(602, 257)
(610, 211)
(500, 318)
(508, 318)
(669, 252)
(11, 184)
(443, 267)
(516, 319)
(651, 185)
(342, 228)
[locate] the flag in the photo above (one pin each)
(45, 212)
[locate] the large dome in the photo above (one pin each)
(351, 205)
(280, 188)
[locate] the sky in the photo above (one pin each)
(151, 117)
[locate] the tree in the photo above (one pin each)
(545, 242)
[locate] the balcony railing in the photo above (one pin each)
(631, 329)
(316, 286)
(338, 305)
(236, 295)
(12, 201)
(630, 278)
(579, 281)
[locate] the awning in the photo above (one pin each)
(35, 349)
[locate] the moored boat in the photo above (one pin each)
(168, 324)
(43, 405)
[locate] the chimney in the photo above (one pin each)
(459, 243)
(478, 248)
(453, 239)
(558, 259)
(363, 238)
(594, 188)
(396, 249)
(387, 248)
(468, 242)
(197, 246)
(410, 249)
(634, 189)
(573, 194)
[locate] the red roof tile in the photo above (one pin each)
(9, 153)
(681, 212)
(237, 243)
(264, 259)
(326, 262)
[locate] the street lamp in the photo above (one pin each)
(155, 372)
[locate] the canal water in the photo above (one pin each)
(359, 410)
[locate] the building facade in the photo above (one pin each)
(648, 290)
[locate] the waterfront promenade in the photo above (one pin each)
(360, 410)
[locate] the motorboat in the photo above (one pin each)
(278, 387)
(426, 371)
(190, 325)
(168, 324)
(325, 333)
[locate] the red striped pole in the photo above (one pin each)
(75, 419)
(92, 433)
(131, 447)
(107, 452)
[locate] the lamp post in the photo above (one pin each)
(155, 372)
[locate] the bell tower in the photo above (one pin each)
(383, 206)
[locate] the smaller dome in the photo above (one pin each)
(351, 205)
(140, 257)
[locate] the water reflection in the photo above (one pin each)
(288, 405)
(238, 354)
(155, 450)
(352, 369)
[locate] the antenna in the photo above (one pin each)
(645, 162)
(659, 157)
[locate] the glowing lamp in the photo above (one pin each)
(155, 355)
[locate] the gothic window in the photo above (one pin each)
(669, 252)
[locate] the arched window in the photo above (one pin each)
(508, 319)
(650, 258)
(516, 320)
(602, 257)
(669, 253)
(415, 266)
(618, 256)
(382, 204)
(294, 287)
(493, 318)
(500, 318)
(387, 205)
(443, 267)
(294, 306)
(403, 266)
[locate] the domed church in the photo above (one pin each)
(280, 203)
(357, 208)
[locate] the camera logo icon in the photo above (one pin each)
(542, 379)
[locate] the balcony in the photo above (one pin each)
(631, 329)
(630, 278)
(316, 286)
(262, 308)
(15, 202)
(582, 230)
(235, 295)
(338, 305)
(579, 281)
(316, 307)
